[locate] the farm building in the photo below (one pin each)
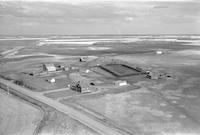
(51, 80)
(159, 52)
(83, 59)
(49, 67)
(79, 87)
(120, 83)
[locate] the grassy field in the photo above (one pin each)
(169, 106)
(61, 94)
(56, 123)
(17, 117)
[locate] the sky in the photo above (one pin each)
(93, 17)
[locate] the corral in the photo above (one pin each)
(120, 70)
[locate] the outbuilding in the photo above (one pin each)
(120, 83)
(159, 52)
(49, 67)
(51, 80)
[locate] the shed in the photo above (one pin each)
(83, 59)
(49, 67)
(51, 80)
(159, 52)
(120, 83)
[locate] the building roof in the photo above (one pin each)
(50, 67)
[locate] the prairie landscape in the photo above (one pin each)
(133, 84)
(99, 67)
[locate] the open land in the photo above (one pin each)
(17, 117)
(141, 85)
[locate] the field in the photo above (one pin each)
(158, 106)
(58, 123)
(17, 117)
(41, 84)
(120, 70)
(61, 94)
